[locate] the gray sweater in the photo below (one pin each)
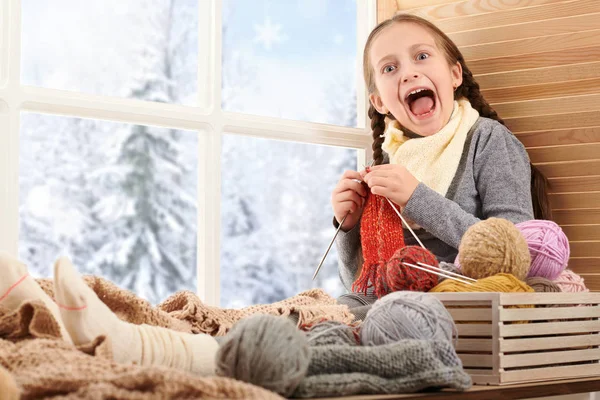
(492, 180)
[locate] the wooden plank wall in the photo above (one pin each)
(538, 63)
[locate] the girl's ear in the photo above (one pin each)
(378, 104)
(457, 77)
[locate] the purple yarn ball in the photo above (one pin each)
(548, 247)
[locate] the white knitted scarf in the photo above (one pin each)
(433, 159)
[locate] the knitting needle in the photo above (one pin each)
(333, 240)
(330, 244)
(407, 225)
(437, 273)
(447, 272)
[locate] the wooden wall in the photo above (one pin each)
(538, 63)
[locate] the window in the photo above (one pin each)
(138, 145)
(119, 199)
(113, 47)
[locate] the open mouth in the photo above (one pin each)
(421, 102)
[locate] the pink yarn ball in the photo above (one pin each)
(568, 281)
(548, 248)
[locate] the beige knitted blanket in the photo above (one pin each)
(44, 366)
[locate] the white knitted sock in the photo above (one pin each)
(87, 317)
(17, 286)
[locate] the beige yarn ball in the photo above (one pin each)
(494, 246)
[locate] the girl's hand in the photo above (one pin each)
(392, 181)
(349, 196)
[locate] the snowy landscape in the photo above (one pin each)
(121, 199)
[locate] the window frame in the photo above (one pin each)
(210, 123)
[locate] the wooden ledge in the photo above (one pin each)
(509, 392)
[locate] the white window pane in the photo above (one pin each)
(293, 59)
(113, 47)
(276, 218)
(119, 199)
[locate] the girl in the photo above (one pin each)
(445, 158)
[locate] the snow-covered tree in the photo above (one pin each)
(147, 210)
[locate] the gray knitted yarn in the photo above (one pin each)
(266, 351)
(405, 366)
(331, 333)
(407, 315)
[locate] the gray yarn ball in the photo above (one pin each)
(407, 315)
(331, 333)
(266, 351)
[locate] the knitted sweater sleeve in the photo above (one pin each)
(501, 175)
(348, 246)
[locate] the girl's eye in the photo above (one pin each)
(388, 68)
(422, 56)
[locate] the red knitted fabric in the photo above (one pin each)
(381, 235)
(402, 277)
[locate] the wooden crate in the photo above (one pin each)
(506, 338)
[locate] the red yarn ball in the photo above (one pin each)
(402, 277)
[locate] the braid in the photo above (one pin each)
(470, 89)
(378, 127)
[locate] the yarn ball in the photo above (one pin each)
(331, 333)
(505, 283)
(397, 276)
(407, 315)
(569, 281)
(548, 247)
(493, 246)
(266, 351)
(542, 285)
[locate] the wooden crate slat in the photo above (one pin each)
(547, 343)
(476, 360)
(539, 374)
(466, 345)
(561, 201)
(466, 298)
(536, 314)
(511, 299)
(548, 358)
(470, 314)
(479, 377)
(549, 328)
(474, 330)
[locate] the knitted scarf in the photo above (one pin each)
(380, 235)
(433, 160)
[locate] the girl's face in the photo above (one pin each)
(413, 79)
